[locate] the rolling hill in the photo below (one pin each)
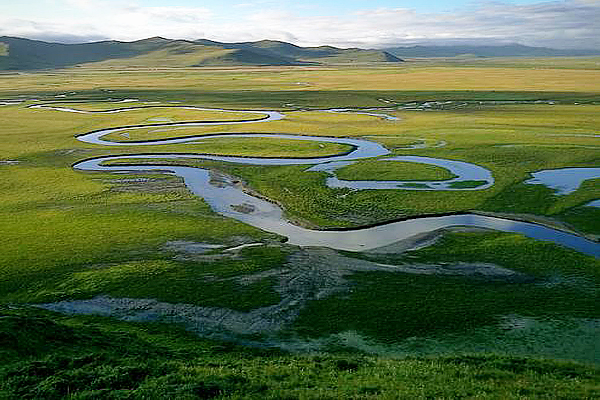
(320, 54)
(26, 54)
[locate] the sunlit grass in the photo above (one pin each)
(56, 220)
(573, 63)
(393, 171)
(510, 140)
(407, 76)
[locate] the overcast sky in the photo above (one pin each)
(344, 23)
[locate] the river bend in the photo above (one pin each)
(229, 200)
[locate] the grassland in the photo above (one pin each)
(510, 140)
(301, 79)
(150, 113)
(247, 147)
(548, 289)
(388, 171)
(570, 63)
(71, 235)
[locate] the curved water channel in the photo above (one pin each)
(228, 199)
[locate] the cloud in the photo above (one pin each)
(87, 20)
(560, 24)
(49, 31)
(84, 4)
(563, 24)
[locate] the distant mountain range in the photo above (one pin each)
(510, 50)
(26, 54)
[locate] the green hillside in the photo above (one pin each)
(25, 54)
(189, 55)
(321, 54)
(357, 56)
(34, 54)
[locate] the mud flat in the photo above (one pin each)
(309, 274)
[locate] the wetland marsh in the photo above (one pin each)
(227, 199)
(427, 216)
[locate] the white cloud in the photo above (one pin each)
(84, 4)
(568, 24)
(563, 24)
(91, 19)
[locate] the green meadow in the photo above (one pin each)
(76, 236)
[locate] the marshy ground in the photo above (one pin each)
(107, 244)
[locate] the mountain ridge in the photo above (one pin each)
(27, 54)
(506, 50)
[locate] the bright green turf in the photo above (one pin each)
(393, 171)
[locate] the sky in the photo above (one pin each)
(565, 24)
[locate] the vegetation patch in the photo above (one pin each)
(72, 235)
(393, 171)
(542, 260)
(209, 284)
(521, 198)
(584, 218)
(253, 147)
(415, 185)
(59, 222)
(467, 184)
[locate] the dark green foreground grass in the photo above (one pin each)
(52, 356)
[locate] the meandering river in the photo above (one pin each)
(230, 200)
